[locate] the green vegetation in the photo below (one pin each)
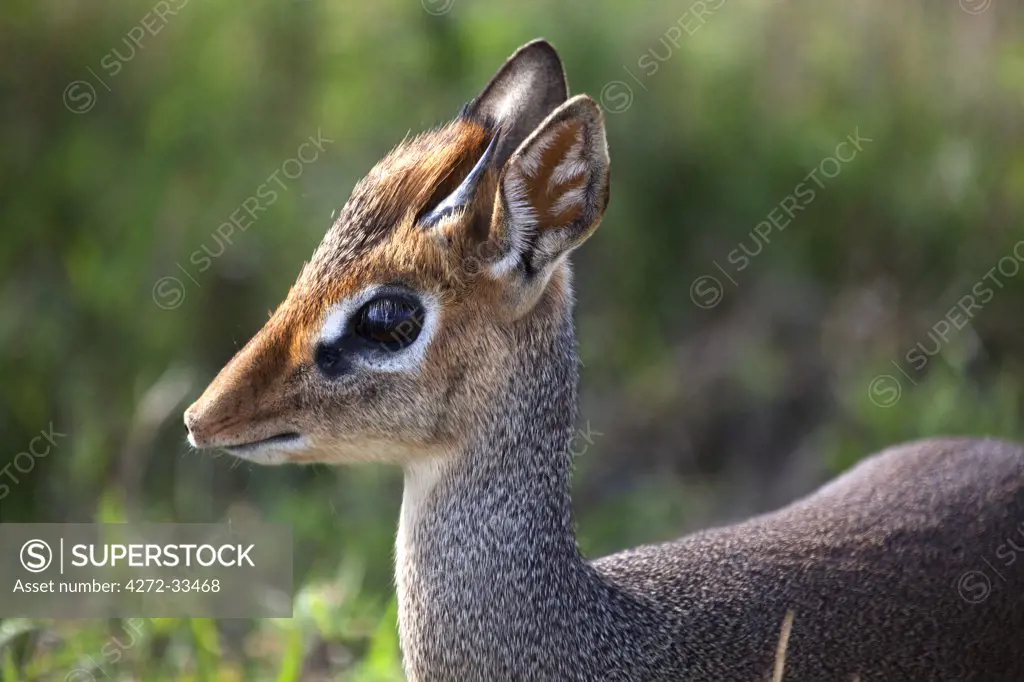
(712, 398)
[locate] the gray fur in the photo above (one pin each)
(492, 586)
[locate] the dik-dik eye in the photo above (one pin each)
(390, 322)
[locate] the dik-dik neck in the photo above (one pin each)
(487, 558)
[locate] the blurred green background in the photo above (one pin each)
(735, 356)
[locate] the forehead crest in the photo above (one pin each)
(382, 207)
(396, 189)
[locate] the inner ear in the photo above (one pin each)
(553, 191)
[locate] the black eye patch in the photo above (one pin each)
(386, 324)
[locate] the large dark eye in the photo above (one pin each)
(389, 322)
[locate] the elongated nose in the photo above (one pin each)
(197, 435)
(230, 407)
(209, 420)
(248, 399)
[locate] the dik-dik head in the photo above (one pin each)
(404, 322)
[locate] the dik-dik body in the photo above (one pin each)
(433, 329)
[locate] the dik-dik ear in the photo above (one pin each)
(553, 191)
(525, 90)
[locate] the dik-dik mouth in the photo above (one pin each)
(279, 439)
(264, 449)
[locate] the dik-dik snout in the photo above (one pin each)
(248, 409)
(402, 326)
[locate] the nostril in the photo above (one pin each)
(191, 419)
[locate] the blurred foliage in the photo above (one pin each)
(705, 412)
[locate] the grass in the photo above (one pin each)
(306, 648)
(331, 637)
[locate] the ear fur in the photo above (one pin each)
(553, 192)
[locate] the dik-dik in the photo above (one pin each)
(433, 329)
